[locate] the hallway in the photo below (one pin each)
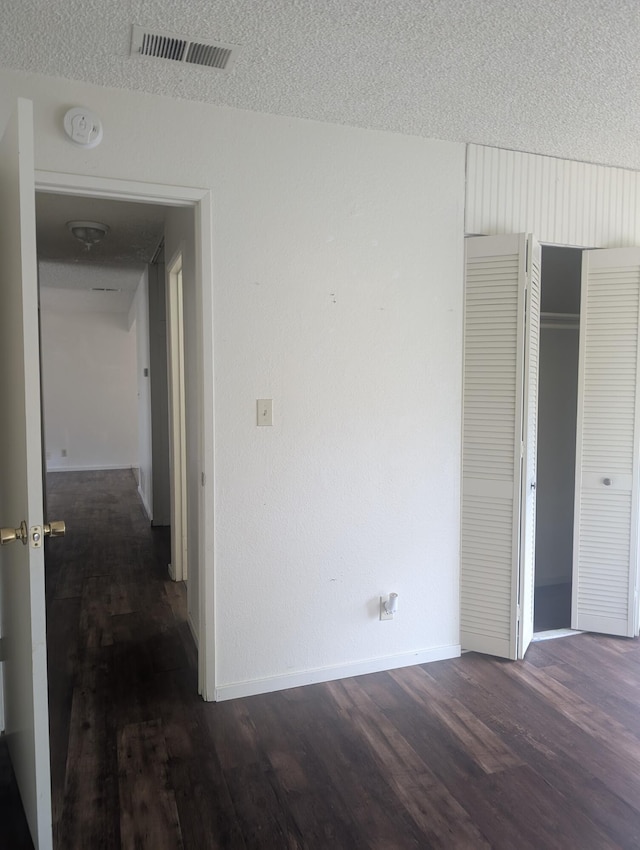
(122, 666)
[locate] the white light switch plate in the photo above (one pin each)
(383, 612)
(265, 411)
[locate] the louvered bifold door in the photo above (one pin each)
(606, 510)
(530, 446)
(492, 440)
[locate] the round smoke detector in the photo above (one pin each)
(83, 127)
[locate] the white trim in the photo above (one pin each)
(202, 202)
(145, 504)
(339, 671)
(552, 634)
(106, 187)
(193, 631)
(92, 467)
(177, 425)
(207, 643)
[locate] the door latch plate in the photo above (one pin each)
(35, 537)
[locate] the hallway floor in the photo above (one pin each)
(469, 753)
(122, 666)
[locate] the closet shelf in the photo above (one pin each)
(560, 320)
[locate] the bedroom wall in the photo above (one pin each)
(337, 267)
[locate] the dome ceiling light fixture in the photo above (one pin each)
(88, 232)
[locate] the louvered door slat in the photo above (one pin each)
(492, 429)
(605, 528)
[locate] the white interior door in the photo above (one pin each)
(22, 566)
(177, 422)
(500, 387)
(605, 565)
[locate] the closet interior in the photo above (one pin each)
(556, 456)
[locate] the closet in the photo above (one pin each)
(557, 406)
(593, 512)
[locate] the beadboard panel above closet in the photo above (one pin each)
(562, 202)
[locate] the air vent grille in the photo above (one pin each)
(211, 55)
(177, 48)
(162, 47)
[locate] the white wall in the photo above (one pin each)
(338, 293)
(88, 380)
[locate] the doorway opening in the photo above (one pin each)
(103, 343)
(188, 223)
(556, 458)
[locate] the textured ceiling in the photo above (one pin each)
(553, 76)
(135, 230)
(110, 282)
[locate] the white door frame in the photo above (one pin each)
(202, 202)
(179, 569)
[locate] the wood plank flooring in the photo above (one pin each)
(469, 753)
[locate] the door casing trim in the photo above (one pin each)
(201, 200)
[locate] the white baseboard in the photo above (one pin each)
(88, 468)
(146, 507)
(329, 674)
(194, 633)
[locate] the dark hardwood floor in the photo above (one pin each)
(468, 753)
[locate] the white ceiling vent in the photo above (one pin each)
(179, 48)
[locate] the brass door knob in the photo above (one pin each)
(8, 535)
(56, 528)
